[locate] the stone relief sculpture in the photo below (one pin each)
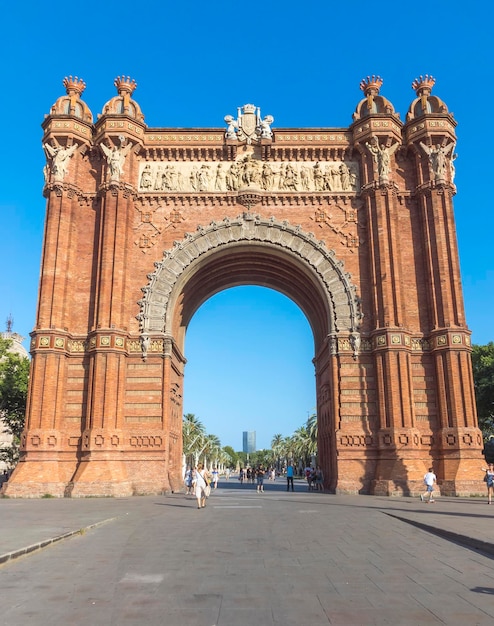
(249, 127)
(265, 127)
(440, 159)
(115, 157)
(58, 160)
(249, 172)
(144, 345)
(381, 155)
(231, 131)
(355, 343)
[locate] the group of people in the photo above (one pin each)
(314, 478)
(254, 475)
(200, 481)
(430, 481)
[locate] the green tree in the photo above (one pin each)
(278, 450)
(193, 436)
(14, 378)
(233, 456)
(483, 376)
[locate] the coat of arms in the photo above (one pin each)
(249, 126)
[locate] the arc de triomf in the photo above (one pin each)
(353, 224)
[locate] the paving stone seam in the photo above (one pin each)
(15, 554)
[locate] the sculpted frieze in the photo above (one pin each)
(248, 172)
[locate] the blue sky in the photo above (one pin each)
(196, 62)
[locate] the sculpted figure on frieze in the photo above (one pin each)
(220, 178)
(233, 178)
(267, 177)
(248, 172)
(146, 178)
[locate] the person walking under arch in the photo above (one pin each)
(260, 479)
(319, 479)
(289, 477)
(201, 481)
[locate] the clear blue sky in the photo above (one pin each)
(194, 63)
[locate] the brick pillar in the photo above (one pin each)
(327, 387)
(458, 441)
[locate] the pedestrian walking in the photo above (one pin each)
(260, 479)
(489, 481)
(308, 477)
(319, 479)
(189, 475)
(289, 477)
(215, 474)
(201, 484)
(429, 480)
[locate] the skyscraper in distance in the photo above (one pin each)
(249, 441)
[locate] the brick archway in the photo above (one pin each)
(252, 250)
(379, 283)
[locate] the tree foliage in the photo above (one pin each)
(198, 445)
(14, 378)
(483, 376)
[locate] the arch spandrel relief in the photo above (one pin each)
(337, 286)
(248, 171)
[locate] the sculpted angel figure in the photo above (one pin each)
(382, 156)
(115, 157)
(439, 157)
(59, 159)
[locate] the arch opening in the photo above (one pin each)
(249, 366)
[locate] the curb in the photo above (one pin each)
(15, 554)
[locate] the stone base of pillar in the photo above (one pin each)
(35, 479)
(120, 478)
(93, 478)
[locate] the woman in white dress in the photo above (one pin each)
(201, 481)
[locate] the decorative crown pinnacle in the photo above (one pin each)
(371, 85)
(423, 85)
(74, 86)
(125, 84)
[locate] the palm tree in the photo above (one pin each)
(277, 447)
(193, 434)
(212, 449)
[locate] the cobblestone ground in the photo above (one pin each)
(250, 559)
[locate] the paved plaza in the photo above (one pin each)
(247, 559)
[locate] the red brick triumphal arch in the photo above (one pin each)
(144, 224)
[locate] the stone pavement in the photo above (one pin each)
(269, 559)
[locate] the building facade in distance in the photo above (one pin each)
(249, 441)
(354, 224)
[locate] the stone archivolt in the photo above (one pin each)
(344, 304)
